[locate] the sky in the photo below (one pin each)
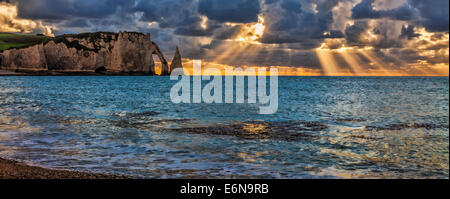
(299, 37)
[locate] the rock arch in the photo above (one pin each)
(164, 65)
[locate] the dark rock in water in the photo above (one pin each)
(144, 114)
(365, 137)
(406, 126)
(284, 131)
(349, 120)
(143, 123)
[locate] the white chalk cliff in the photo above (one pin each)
(124, 52)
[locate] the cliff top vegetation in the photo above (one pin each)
(17, 41)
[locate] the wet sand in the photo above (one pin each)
(10, 169)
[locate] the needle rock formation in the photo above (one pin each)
(176, 62)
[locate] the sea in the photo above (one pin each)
(325, 127)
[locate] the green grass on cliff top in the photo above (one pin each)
(11, 40)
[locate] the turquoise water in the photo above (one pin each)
(325, 127)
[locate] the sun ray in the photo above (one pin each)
(415, 70)
(230, 53)
(243, 52)
(328, 62)
(354, 63)
(377, 63)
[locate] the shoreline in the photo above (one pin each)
(11, 169)
(70, 73)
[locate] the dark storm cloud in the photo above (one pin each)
(82, 23)
(305, 45)
(168, 13)
(356, 35)
(365, 10)
(409, 32)
(182, 15)
(194, 32)
(385, 37)
(66, 9)
(334, 34)
(239, 11)
(291, 6)
(274, 38)
(289, 22)
(434, 13)
(227, 32)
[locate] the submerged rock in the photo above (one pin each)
(406, 126)
(291, 131)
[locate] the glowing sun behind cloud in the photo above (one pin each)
(251, 33)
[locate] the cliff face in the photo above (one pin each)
(31, 58)
(123, 52)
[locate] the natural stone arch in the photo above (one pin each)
(164, 64)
